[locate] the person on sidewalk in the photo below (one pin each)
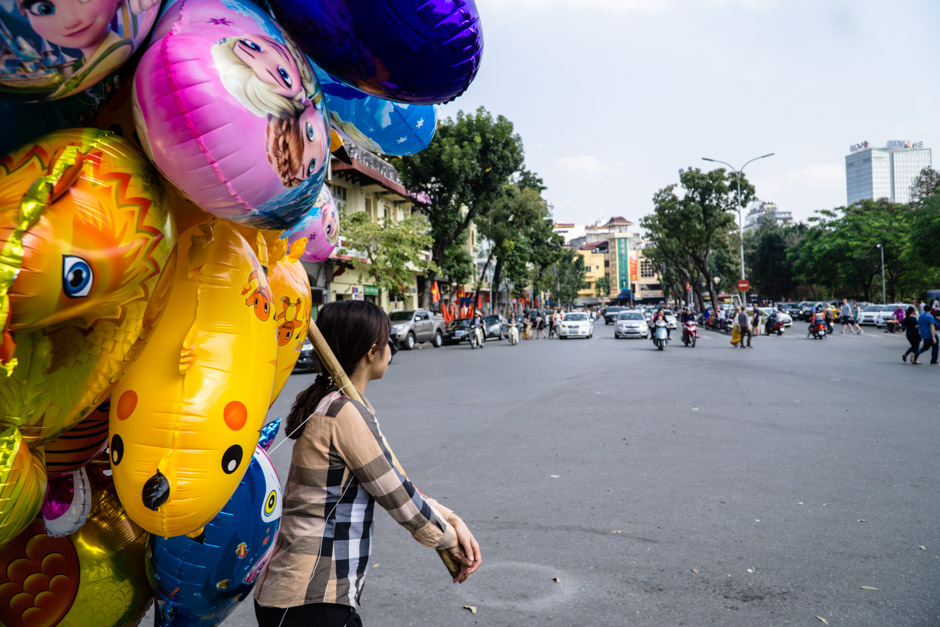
(928, 335)
(856, 317)
(912, 332)
(341, 466)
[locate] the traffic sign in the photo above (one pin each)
(743, 286)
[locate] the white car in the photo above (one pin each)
(887, 313)
(575, 325)
(631, 324)
(869, 313)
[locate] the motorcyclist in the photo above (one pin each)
(660, 315)
(816, 318)
(771, 321)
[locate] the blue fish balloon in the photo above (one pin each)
(201, 580)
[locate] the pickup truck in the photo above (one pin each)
(415, 326)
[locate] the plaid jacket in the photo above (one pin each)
(341, 466)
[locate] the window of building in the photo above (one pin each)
(339, 198)
(647, 269)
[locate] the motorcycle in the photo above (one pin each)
(817, 330)
(689, 333)
(773, 326)
(661, 335)
(476, 337)
(513, 334)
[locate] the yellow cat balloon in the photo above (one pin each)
(185, 419)
(86, 249)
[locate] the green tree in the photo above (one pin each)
(513, 216)
(391, 253)
(694, 223)
(926, 184)
(602, 286)
(769, 268)
(457, 264)
(568, 273)
(459, 176)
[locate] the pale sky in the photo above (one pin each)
(613, 97)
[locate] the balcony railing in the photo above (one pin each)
(381, 166)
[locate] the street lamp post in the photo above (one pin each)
(884, 298)
(737, 172)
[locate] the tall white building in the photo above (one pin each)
(764, 211)
(884, 172)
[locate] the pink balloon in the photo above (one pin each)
(231, 113)
(320, 227)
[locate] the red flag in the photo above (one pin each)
(435, 293)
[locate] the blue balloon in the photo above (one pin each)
(376, 124)
(200, 581)
(416, 51)
(268, 433)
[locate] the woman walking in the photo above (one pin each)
(340, 467)
(911, 332)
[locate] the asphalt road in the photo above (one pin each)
(612, 484)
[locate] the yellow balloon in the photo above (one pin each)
(85, 244)
(95, 576)
(185, 419)
(290, 287)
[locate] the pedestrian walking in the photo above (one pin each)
(845, 316)
(911, 332)
(341, 467)
(856, 316)
(928, 335)
(540, 325)
(556, 322)
(755, 323)
(743, 323)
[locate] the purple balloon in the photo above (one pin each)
(415, 51)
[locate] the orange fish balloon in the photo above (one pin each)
(186, 417)
(95, 576)
(85, 245)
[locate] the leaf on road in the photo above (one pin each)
(375, 566)
(472, 608)
(799, 502)
(617, 531)
(750, 570)
(554, 476)
(695, 570)
(695, 409)
(867, 588)
(921, 547)
(822, 620)
(556, 579)
(862, 520)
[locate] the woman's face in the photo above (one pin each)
(316, 140)
(271, 63)
(79, 24)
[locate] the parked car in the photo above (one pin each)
(610, 316)
(458, 331)
(575, 324)
(495, 326)
(868, 313)
(887, 313)
(631, 324)
(305, 361)
(414, 326)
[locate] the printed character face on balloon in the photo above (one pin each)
(330, 223)
(248, 135)
(62, 47)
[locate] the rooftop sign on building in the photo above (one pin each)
(859, 146)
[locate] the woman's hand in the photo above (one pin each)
(465, 550)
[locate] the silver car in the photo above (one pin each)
(575, 325)
(631, 324)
